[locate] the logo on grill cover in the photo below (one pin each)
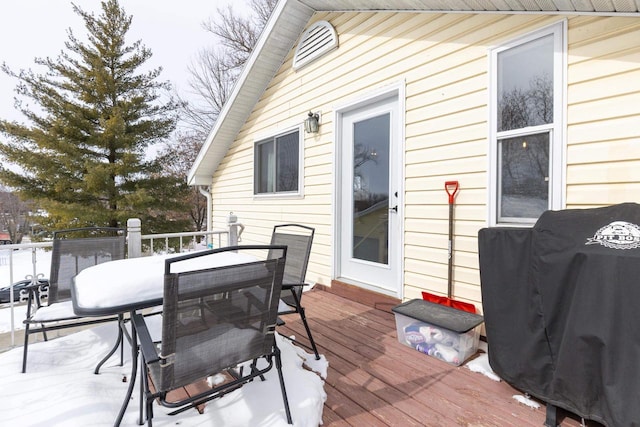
(617, 235)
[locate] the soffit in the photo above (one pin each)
(582, 6)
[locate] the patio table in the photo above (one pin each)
(133, 284)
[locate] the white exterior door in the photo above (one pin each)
(368, 223)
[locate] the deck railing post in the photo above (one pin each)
(233, 234)
(134, 238)
(235, 229)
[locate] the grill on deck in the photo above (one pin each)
(560, 307)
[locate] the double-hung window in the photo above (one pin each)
(277, 164)
(527, 127)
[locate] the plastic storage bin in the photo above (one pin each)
(443, 332)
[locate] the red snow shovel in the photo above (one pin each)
(451, 187)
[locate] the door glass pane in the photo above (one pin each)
(525, 85)
(524, 177)
(371, 189)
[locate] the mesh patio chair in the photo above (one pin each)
(214, 320)
(73, 251)
(298, 238)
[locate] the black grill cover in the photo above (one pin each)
(561, 305)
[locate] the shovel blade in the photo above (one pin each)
(448, 302)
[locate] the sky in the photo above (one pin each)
(38, 28)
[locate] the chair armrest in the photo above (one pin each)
(32, 286)
(33, 292)
(147, 346)
(288, 286)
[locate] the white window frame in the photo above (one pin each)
(557, 134)
(272, 137)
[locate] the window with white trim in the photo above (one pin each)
(527, 122)
(277, 164)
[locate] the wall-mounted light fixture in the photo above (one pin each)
(312, 123)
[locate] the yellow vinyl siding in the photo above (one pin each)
(442, 59)
(613, 150)
(603, 112)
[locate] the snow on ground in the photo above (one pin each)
(60, 389)
(480, 364)
(526, 400)
(19, 314)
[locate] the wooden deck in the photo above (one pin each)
(373, 380)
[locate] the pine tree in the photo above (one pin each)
(82, 153)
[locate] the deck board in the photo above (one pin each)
(373, 380)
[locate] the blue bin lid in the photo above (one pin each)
(439, 315)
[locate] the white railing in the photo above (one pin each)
(20, 270)
(194, 240)
(208, 239)
(138, 244)
(7, 253)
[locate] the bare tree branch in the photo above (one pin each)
(15, 215)
(212, 77)
(215, 70)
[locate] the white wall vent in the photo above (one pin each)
(317, 40)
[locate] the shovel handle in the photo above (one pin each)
(452, 193)
(451, 188)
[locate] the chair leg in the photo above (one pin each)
(25, 347)
(254, 369)
(30, 305)
(300, 310)
(149, 411)
(282, 387)
(306, 326)
(144, 384)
